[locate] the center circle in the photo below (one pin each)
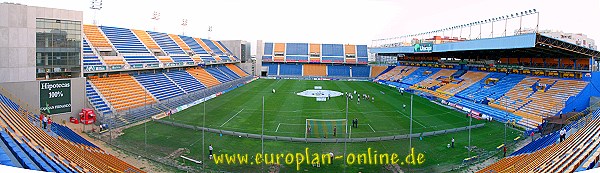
(319, 93)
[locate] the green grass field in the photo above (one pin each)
(286, 114)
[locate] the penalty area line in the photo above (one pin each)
(413, 119)
(371, 127)
(231, 118)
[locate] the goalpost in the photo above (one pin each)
(323, 128)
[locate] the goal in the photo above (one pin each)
(323, 128)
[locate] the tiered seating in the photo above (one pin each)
(502, 164)
(497, 114)
(218, 74)
(159, 85)
(228, 72)
(338, 70)
(170, 47)
(219, 43)
(389, 74)
(362, 55)
(150, 44)
(212, 46)
(21, 156)
(468, 78)
(332, 53)
(550, 102)
(127, 44)
(184, 80)
(429, 85)
(566, 156)
(96, 100)
(538, 144)
(54, 154)
(5, 158)
(122, 91)
(314, 70)
(204, 77)
(480, 91)
(419, 75)
(273, 68)
(89, 58)
(195, 47)
(95, 36)
(180, 42)
(517, 96)
(377, 70)
(223, 50)
(124, 40)
(361, 71)
(237, 70)
(290, 69)
(68, 134)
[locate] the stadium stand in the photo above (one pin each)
(95, 99)
(184, 80)
(222, 77)
(468, 79)
(70, 135)
(213, 46)
(338, 70)
(566, 156)
(332, 53)
(170, 47)
(89, 58)
(40, 151)
(314, 70)
(314, 51)
(204, 77)
(538, 144)
(479, 91)
(360, 71)
(124, 40)
(195, 47)
(122, 91)
(179, 42)
(497, 115)
(159, 85)
(377, 70)
(95, 36)
(290, 69)
(237, 70)
(273, 68)
(232, 75)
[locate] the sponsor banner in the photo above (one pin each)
(423, 48)
(55, 96)
(116, 67)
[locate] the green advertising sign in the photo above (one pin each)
(55, 96)
(423, 48)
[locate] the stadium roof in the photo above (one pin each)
(525, 45)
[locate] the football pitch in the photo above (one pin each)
(286, 114)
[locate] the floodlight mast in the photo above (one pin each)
(155, 17)
(96, 5)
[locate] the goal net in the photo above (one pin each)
(324, 128)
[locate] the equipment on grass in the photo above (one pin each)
(323, 128)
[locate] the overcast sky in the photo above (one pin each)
(329, 21)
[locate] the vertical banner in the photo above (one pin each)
(55, 96)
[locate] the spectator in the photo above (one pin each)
(45, 121)
(504, 151)
(49, 123)
(210, 149)
(452, 142)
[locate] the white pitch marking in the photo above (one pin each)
(371, 127)
(231, 118)
(277, 127)
(409, 119)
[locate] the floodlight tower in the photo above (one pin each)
(210, 29)
(96, 5)
(184, 23)
(156, 17)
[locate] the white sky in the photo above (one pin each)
(328, 21)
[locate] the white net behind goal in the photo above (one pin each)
(325, 128)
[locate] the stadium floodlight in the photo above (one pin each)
(96, 6)
(184, 23)
(156, 17)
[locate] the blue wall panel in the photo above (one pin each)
(268, 49)
(332, 50)
(296, 49)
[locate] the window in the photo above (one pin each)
(58, 47)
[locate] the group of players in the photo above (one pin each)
(359, 96)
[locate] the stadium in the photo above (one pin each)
(85, 97)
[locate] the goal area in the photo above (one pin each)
(324, 128)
